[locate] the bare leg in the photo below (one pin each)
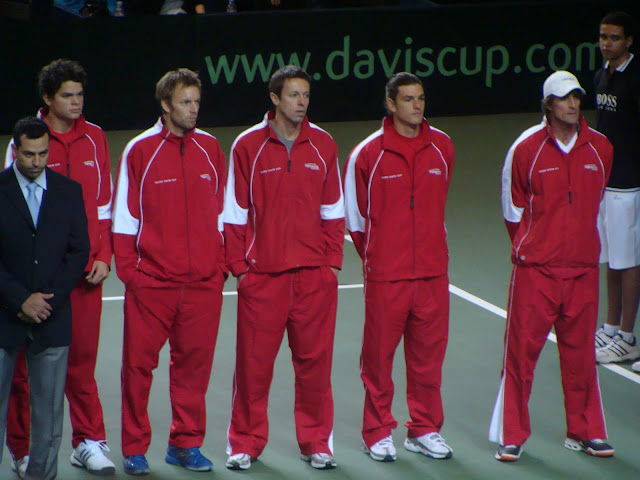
(630, 297)
(623, 294)
(614, 296)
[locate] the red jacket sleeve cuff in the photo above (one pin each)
(512, 228)
(335, 260)
(238, 268)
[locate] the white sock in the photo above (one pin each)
(626, 336)
(610, 330)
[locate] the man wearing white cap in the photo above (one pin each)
(552, 184)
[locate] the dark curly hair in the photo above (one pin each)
(52, 76)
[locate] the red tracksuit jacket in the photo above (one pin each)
(395, 194)
(167, 216)
(551, 198)
(283, 211)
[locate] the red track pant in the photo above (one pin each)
(419, 311)
(302, 302)
(538, 302)
(188, 315)
(81, 389)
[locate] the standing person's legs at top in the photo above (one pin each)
(85, 409)
(618, 224)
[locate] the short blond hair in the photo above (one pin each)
(170, 80)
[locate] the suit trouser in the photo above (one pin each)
(85, 409)
(538, 302)
(303, 302)
(47, 372)
(419, 311)
(19, 413)
(188, 315)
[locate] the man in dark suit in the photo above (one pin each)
(44, 246)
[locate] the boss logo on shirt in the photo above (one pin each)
(435, 171)
(391, 177)
(591, 166)
(89, 163)
(311, 166)
(608, 102)
(166, 180)
(205, 176)
(547, 170)
(270, 170)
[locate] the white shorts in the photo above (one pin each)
(619, 227)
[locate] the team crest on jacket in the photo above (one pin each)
(90, 163)
(312, 166)
(206, 176)
(435, 171)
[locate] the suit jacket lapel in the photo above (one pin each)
(16, 198)
(45, 204)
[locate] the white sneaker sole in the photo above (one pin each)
(378, 458)
(103, 472)
(420, 448)
(326, 465)
(623, 358)
(576, 446)
(235, 465)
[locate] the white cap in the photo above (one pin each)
(560, 84)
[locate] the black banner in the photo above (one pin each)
(472, 59)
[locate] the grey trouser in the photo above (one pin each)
(47, 373)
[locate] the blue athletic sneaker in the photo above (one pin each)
(189, 458)
(135, 465)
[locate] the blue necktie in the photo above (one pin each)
(33, 203)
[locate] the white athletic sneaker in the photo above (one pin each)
(20, 466)
(596, 447)
(88, 454)
(636, 367)
(602, 339)
(381, 451)
(508, 453)
(618, 351)
(431, 444)
(321, 461)
(239, 461)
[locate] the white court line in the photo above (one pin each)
(634, 377)
(233, 294)
(470, 298)
(501, 312)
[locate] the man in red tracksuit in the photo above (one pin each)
(396, 183)
(169, 252)
(78, 149)
(553, 180)
(284, 228)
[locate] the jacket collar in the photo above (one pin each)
(392, 140)
(305, 128)
(41, 180)
(172, 137)
(584, 133)
(78, 130)
(622, 67)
